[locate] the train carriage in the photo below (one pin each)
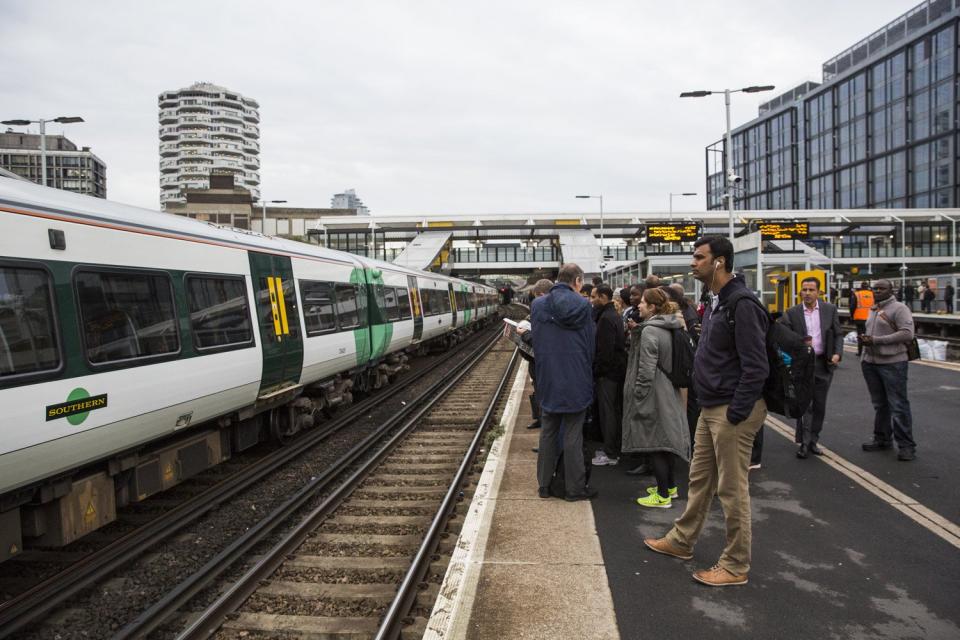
(138, 348)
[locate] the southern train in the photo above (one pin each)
(139, 348)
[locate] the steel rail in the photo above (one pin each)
(212, 617)
(30, 606)
(392, 625)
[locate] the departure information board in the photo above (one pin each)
(783, 229)
(673, 231)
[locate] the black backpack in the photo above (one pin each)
(788, 389)
(683, 349)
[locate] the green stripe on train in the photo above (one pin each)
(373, 338)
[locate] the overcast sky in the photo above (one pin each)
(429, 107)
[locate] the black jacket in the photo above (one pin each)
(611, 359)
(829, 327)
(732, 369)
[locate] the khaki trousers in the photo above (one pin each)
(720, 466)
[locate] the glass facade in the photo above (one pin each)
(881, 135)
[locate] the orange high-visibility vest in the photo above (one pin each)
(864, 302)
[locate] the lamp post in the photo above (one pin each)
(671, 200)
(732, 178)
(263, 217)
(603, 258)
(43, 137)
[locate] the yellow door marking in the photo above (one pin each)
(283, 307)
(273, 305)
(168, 472)
(90, 513)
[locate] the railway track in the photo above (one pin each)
(367, 559)
(49, 603)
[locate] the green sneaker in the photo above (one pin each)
(671, 492)
(654, 500)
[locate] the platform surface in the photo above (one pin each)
(831, 559)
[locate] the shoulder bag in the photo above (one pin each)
(913, 347)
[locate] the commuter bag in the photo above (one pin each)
(913, 347)
(683, 349)
(788, 389)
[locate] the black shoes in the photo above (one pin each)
(642, 470)
(802, 452)
(906, 455)
(873, 445)
(588, 494)
(815, 450)
(534, 425)
(543, 492)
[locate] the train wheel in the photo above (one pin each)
(283, 424)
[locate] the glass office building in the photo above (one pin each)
(880, 131)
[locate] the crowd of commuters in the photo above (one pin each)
(609, 359)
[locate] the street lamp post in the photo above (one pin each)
(603, 258)
(671, 200)
(263, 216)
(43, 137)
(732, 178)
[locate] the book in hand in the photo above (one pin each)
(510, 332)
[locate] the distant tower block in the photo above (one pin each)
(349, 200)
(207, 129)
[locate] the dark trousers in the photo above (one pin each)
(571, 425)
(949, 304)
(810, 423)
(861, 326)
(609, 394)
(664, 465)
(887, 384)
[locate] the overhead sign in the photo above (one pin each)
(673, 231)
(783, 229)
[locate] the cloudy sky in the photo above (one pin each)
(429, 107)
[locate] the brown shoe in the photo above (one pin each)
(717, 576)
(661, 545)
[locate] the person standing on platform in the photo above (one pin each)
(860, 302)
(884, 365)
(564, 341)
(730, 369)
(926, 300)
(909, 294)
(654, 416)
(539, 289)
(819, 321)
(948, 293)
(609, 368)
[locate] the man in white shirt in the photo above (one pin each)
(819, 322)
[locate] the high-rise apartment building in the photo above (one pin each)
(879, 131)
(68, 168)
(349, 200)
(206, 129)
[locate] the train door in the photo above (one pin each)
(416, 309)
(453, 305)
(279, 320)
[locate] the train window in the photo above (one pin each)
(219, 315)
(318, 307)
(444, 302)
(347, 311)
(28, 337)
(126, 315)
(390, 303)
(426, 301)
(403, 302)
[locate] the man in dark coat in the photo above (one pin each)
(819, 321)
(609, 367)
(948, 294)
(564, 343)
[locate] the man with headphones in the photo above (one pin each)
(730, 368)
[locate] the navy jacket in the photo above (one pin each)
(610, 361)
(564, 342)
(732, 369)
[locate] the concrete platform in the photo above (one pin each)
(852, 545)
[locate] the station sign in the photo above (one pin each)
(673, 231)
(783, 229)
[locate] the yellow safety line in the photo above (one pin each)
(283, 307)
(273, 305)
